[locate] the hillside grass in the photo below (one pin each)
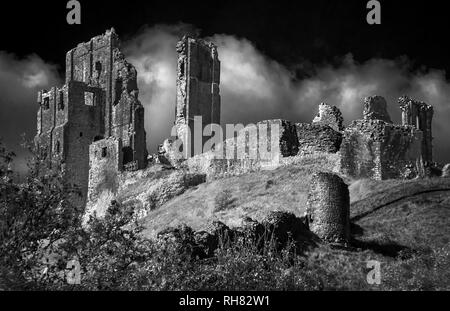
(251, 195)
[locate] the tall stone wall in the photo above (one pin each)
(105, 165)
(420, 115)
(99, 100)
(198, 80)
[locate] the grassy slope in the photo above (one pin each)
(254, 195)
(411, 213)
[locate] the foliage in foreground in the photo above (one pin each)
(40, 233)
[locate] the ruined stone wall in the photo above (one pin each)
(240, 155)
(379, 150)
(198, 80)
(328, 210)
(420, 115)
(375, 108)
(329, 115)
(99, 99)
(92, 63)
(128, 113)
(106, 163)
(317, 138)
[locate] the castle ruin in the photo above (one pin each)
(375, 148)
(92, 128)
(98, 101)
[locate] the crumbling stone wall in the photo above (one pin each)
(247, 155)
(329, 115)
(379, 150)
(375, 108)
(105, 162)
(420, 115)
(198, 80)
(317, 138)
(328, 208)
(99, 100)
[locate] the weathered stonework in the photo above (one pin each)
(99, 100)
(379, 150)
(419, 115)
(329, 115)
(198, 80)
(241, 155)
(317, 138)
(375, 108)
(328, 210)
(446, 170)
(106, 163)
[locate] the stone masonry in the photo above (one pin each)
(198, 80)
(331, 116)
(375, 108)
(328, 208)
(420, 115)
(374, 148)
(99, 100)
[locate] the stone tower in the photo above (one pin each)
(198, 80)
(419, 115)
(99, 100)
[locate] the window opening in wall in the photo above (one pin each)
(58, 147)
(61, 101)
(81, 134)
(46, 103)
(104, 152)
(89, 99)
(127, 155)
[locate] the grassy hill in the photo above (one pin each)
(403, 224)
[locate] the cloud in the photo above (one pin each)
(254, 87)
(20, 79)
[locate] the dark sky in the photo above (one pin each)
(286, 31)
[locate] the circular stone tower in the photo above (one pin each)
(328, 208)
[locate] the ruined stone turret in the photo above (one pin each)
(328, 209)
(375, 108)
(198, 80)
(375, 148)
(420, 115)
(329, 115)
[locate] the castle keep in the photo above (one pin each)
(98, 101)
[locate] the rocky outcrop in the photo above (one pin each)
(277, 230)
